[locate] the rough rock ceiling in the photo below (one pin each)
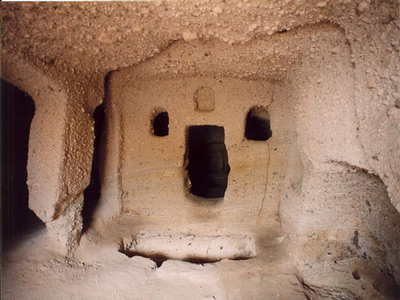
(96, 37)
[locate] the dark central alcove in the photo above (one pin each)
(208, 161)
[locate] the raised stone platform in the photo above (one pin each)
(189, 247)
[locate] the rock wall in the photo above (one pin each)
(152, 169)
(60, 152)
(350, 67)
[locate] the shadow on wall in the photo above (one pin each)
(17, 109)
(93, 191)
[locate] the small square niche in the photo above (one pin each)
(205, 99)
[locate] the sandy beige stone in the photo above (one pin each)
(321, 197)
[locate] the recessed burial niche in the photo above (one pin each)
(258, 126)
(208, 167)
(161, 124)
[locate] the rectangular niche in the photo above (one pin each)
(153, 168)
(208, 167)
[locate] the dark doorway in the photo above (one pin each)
(208, 161)
(17, 109)
(258, 126)
(93, 191)
(160, 124)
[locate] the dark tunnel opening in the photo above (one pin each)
(208, 166)
(18, 109)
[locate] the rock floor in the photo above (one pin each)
(31, 270)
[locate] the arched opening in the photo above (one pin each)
(208, 166)
(160, 124)
(258, 126)
(18, 109)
